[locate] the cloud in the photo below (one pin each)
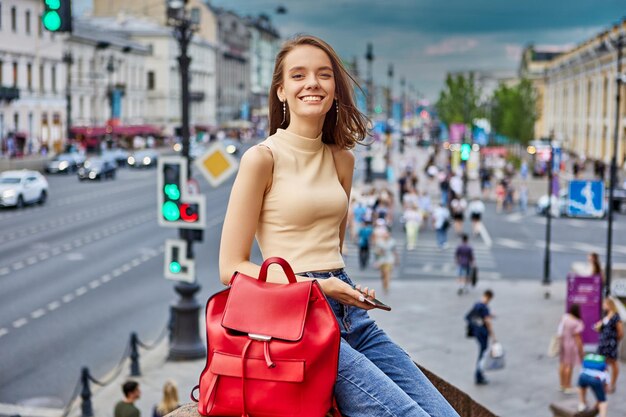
(450, 46)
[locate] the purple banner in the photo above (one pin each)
(457, 132)
(587, 293)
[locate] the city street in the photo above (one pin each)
(80, 273)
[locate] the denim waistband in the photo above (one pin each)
(325, 274)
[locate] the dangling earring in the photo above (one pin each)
(284, 113)
(337, 107)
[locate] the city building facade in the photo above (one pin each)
(233, 69)
(32, 81)
(533, 66)
(580, 91)
(265, 43)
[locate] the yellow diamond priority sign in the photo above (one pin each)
(216, 164)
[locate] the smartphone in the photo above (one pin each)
(373, 301)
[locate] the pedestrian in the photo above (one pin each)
(356, 217)
(595, 268)
(365, 235)
(476, 208)
(386, 258)
(126, 407)
(441, 223)
(456, 185)
(593, 375)
(523, 197)
(457, 211)
(292, 192)
(169, 401)
(425, 205)
(413, 218)
(571, 347)
(410, 197)
(464, 257)
(611, 331)
(500, 195)
(479, 320)
(444, 187)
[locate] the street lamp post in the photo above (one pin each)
(620, 78)
(546, 260)
(185, 342)
(68, 60)
(369, 57)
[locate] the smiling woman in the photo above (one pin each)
(292, 192)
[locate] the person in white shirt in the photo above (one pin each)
(476, 208)
(441, 223)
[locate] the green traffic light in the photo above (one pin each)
(53, 4)
(172, 191)
(466, 148)
(170, 211)
(175, 267)
(52, 21)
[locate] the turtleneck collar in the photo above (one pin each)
(299, 142)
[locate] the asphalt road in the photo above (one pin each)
(80, 273)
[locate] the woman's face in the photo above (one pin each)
(308, 83)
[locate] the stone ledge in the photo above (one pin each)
(462, 403)
(568, 408)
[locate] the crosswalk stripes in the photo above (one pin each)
(426, 261)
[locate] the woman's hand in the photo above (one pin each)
(345, 294)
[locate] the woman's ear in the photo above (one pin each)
(280, 92)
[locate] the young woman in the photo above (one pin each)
(571, 352)
(611, 331)
(292, 191)
(169, 401)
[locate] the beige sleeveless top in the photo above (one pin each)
(303, 210)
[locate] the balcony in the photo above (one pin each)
(196, 96)
(9, 94)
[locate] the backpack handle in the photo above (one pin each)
(283, 264)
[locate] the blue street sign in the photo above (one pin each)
(586, 199)
(556, 161)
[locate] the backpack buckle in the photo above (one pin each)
(259, 337)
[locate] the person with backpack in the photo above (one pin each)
(365, 235)
(593, 376)
(441, 223)
(291, 193)
(480, 326)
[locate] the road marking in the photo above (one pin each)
(67, 298)
(20, 410)
(38, 313)
(18, 265)
(31, 260)
(510, 243)
(54, 305)
(81, 291)
(485, 235)
(135, 262)
(106, 278)
(3, 331)
(43, 256)
(4, 270)
(117, 272)
(515, 217)
(126, 268)
(94, 284)
(20, 322)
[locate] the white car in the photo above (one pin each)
(18, 188)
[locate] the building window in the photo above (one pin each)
(15, 67)
(151, 80)
(81, 107)
(40, 25)
(79, 72)
(54, 78)
(42, 76)
(28, 22)
(0, 29)
(29, 76)
(1, 76)
(16, 121)
(13, 19)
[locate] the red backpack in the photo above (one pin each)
(273, 349)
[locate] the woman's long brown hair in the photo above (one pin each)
(352, 125)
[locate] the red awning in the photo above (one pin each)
(494, 150)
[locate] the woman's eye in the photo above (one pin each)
(297, 76)
(326, 75)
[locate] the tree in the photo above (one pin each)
(514, 111)
(459, 101)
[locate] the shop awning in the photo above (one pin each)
(123, 130)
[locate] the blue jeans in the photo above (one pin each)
(442, 236)
(596, 385)
(482, 337)
(375, 376)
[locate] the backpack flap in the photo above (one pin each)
(262, 309)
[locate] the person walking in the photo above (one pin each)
(441, 223)
(386, 258)
(464, 257)
(126, 407)
(413, 218)
(476, 208)
(291, 193)
(457, 211)
(611, 331)
(593, 375)
(169, 401)
(365, 237)
(479, 320)
(571, 350)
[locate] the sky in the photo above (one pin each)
(425, 39)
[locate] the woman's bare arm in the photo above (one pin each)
(344, 164)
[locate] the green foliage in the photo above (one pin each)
(514, 111)
(459, 101)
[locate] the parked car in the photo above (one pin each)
(97, 169)
(118, 154)
(64, 163)
(143, 159)
(18, 188)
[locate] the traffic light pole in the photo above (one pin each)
(68, 59)
(185, 342)
(546, 259)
